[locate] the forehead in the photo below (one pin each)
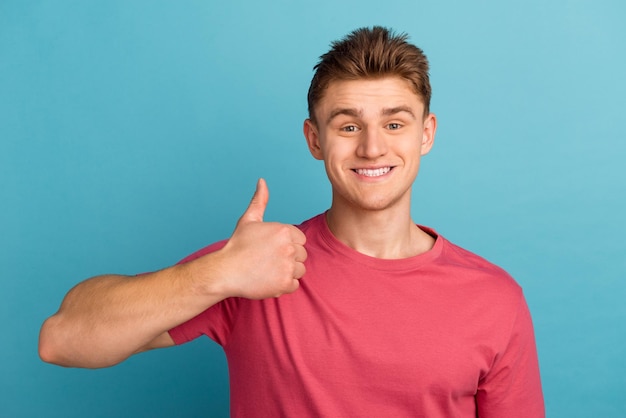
(368, 96)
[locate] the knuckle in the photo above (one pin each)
(290, 251)
(283, 230)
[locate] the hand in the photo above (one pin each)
(262, 259)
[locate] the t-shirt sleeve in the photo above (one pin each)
(215, 322)
(512, 387)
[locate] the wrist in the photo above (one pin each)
(204, 276)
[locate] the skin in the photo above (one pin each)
(377, 125)
(104, 320)
(362, 125)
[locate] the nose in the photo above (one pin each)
(372, 144)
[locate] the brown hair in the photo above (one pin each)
(371, 53)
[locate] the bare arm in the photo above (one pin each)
(104, 320)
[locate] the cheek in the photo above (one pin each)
(411, 148)
(337, 151)
(333, 166)
(336, 159)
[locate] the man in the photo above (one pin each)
(356, 312)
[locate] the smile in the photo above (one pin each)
(373, 172)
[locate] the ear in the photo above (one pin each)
(313, 139)
(428, 135)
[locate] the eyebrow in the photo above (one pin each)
(398, 109)
(344, 111)
(388, 111)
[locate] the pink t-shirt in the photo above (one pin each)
(441, 334)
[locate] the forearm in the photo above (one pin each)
(104, 320)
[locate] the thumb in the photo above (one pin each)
(256, 208)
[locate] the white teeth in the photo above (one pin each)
(373, 173)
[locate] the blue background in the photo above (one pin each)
(132, 133)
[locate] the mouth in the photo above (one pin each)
(372, 172)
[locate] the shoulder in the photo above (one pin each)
(313, 224)
(486, 275)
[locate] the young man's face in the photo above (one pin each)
(371, 135)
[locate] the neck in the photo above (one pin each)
(389, 233)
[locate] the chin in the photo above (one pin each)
(364, 201)
(374, 205)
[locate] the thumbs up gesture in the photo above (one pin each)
(262, 259)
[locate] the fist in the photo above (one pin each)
(263, 259)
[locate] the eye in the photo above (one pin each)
(349, 128)
(394, 126)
